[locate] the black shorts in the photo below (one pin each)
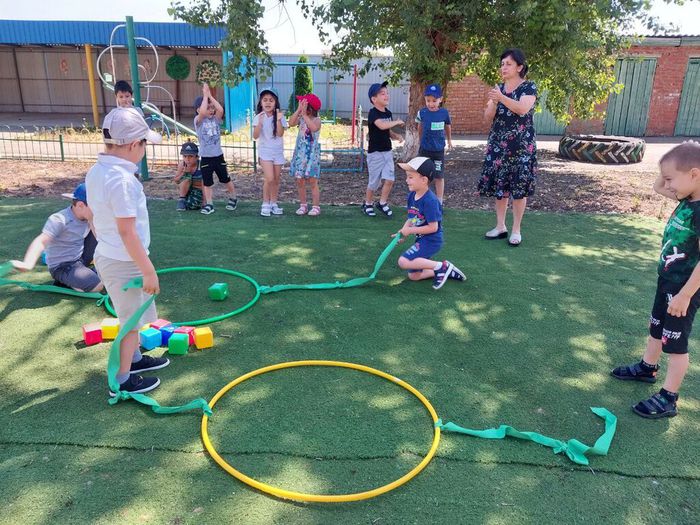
(438, 158)
(209, 165)
(673, 331)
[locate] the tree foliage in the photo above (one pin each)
(303, 82)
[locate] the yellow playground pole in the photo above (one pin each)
(91, 79)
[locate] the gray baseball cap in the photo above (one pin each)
(126, 125)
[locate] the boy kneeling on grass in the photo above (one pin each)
(677, 298)
(425, 222)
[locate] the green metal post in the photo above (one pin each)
(60, 142)
(134, 64)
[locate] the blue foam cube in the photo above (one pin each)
(165, 334)
(150, 338)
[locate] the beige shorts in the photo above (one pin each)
(115, 274)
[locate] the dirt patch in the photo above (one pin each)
(563, 185)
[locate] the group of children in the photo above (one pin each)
(117, 222)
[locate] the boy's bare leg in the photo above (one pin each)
(653, 352)
(369, 196)
(185, 188)
(386, 190)
(208, 192)
(440, 188)
(426, 266)
(127, 349)
(677, 367)
(230, 189)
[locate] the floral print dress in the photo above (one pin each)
(510, 166)
(306, 161)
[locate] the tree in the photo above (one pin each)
(303, 82)
(571, 46)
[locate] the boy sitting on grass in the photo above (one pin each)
(188, 178)
(425, 222)
(677, 298)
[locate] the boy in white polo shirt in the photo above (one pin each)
(120, 219)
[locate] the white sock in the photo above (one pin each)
(438, 265)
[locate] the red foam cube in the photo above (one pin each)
(160, 323)
(92, 333)
(189, 330)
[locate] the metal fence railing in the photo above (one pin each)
(83, 144)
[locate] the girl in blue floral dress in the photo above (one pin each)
(510, 166)
(306, 161)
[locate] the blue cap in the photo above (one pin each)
(270, 90)
(79, 193)
(375, 88)
(433, 90)
(198, 102)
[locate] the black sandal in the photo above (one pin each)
(634, 372)
(656, 407)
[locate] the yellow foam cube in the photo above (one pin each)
(110, 328)
(144, 327)
(203, 338)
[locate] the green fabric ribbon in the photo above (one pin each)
(357, 281)
(113, 366)
(574, 449)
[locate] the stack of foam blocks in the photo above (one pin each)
(162, 332)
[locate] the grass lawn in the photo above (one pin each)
(527, 341)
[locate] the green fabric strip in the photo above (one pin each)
(113, 366)
(357, 281)
(574, 449)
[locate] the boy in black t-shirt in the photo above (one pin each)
(677, 297)
(380, 161)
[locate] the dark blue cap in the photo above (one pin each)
(433, 90)
(375, 88)
(79, 193)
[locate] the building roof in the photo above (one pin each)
(75, 33)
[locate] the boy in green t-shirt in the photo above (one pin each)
(677, 297)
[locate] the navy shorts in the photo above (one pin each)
(209, 165)
(422, 248)
(673, 331)
(438, 158)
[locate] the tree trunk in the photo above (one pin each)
(415, 103)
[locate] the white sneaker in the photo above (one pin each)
(276, 210)
(265, 210)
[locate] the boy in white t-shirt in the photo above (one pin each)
(120, 219)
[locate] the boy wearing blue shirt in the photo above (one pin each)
(434, 127)
(425, 222)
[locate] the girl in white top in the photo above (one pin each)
(268, 127)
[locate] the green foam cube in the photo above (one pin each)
(218, 291)
(178, 344)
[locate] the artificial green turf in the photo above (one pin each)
(527, 341)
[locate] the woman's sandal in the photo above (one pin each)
(302, 209)
(515, 240)
(315, 211)
(494, 234)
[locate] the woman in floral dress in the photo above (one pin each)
(510, 166)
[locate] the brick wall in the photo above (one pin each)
(466, 100)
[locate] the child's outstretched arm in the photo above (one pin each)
(34, 250)
(388, 124)
(219, 109)
(202, 107)
(660, 188)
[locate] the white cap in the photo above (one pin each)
(126, 125)
(422, 165)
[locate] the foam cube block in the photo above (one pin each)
(178, 343)
(160, 323)
(165, 333)
(92, 333)
(147, 325)
(189, 330)
(203, 338)
(218, 291)
(150, 338)
(110, 328)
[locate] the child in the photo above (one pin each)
(425, 222)
(189, 178)
(268, 128)
(69, 245)
(677, 298)
(306, 161)
(380, 161)
(433, 127)
(124, 95)
(120, 218)
(207, 124)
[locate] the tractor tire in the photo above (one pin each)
(602, 149)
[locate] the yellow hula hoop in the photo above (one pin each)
(325, 498)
